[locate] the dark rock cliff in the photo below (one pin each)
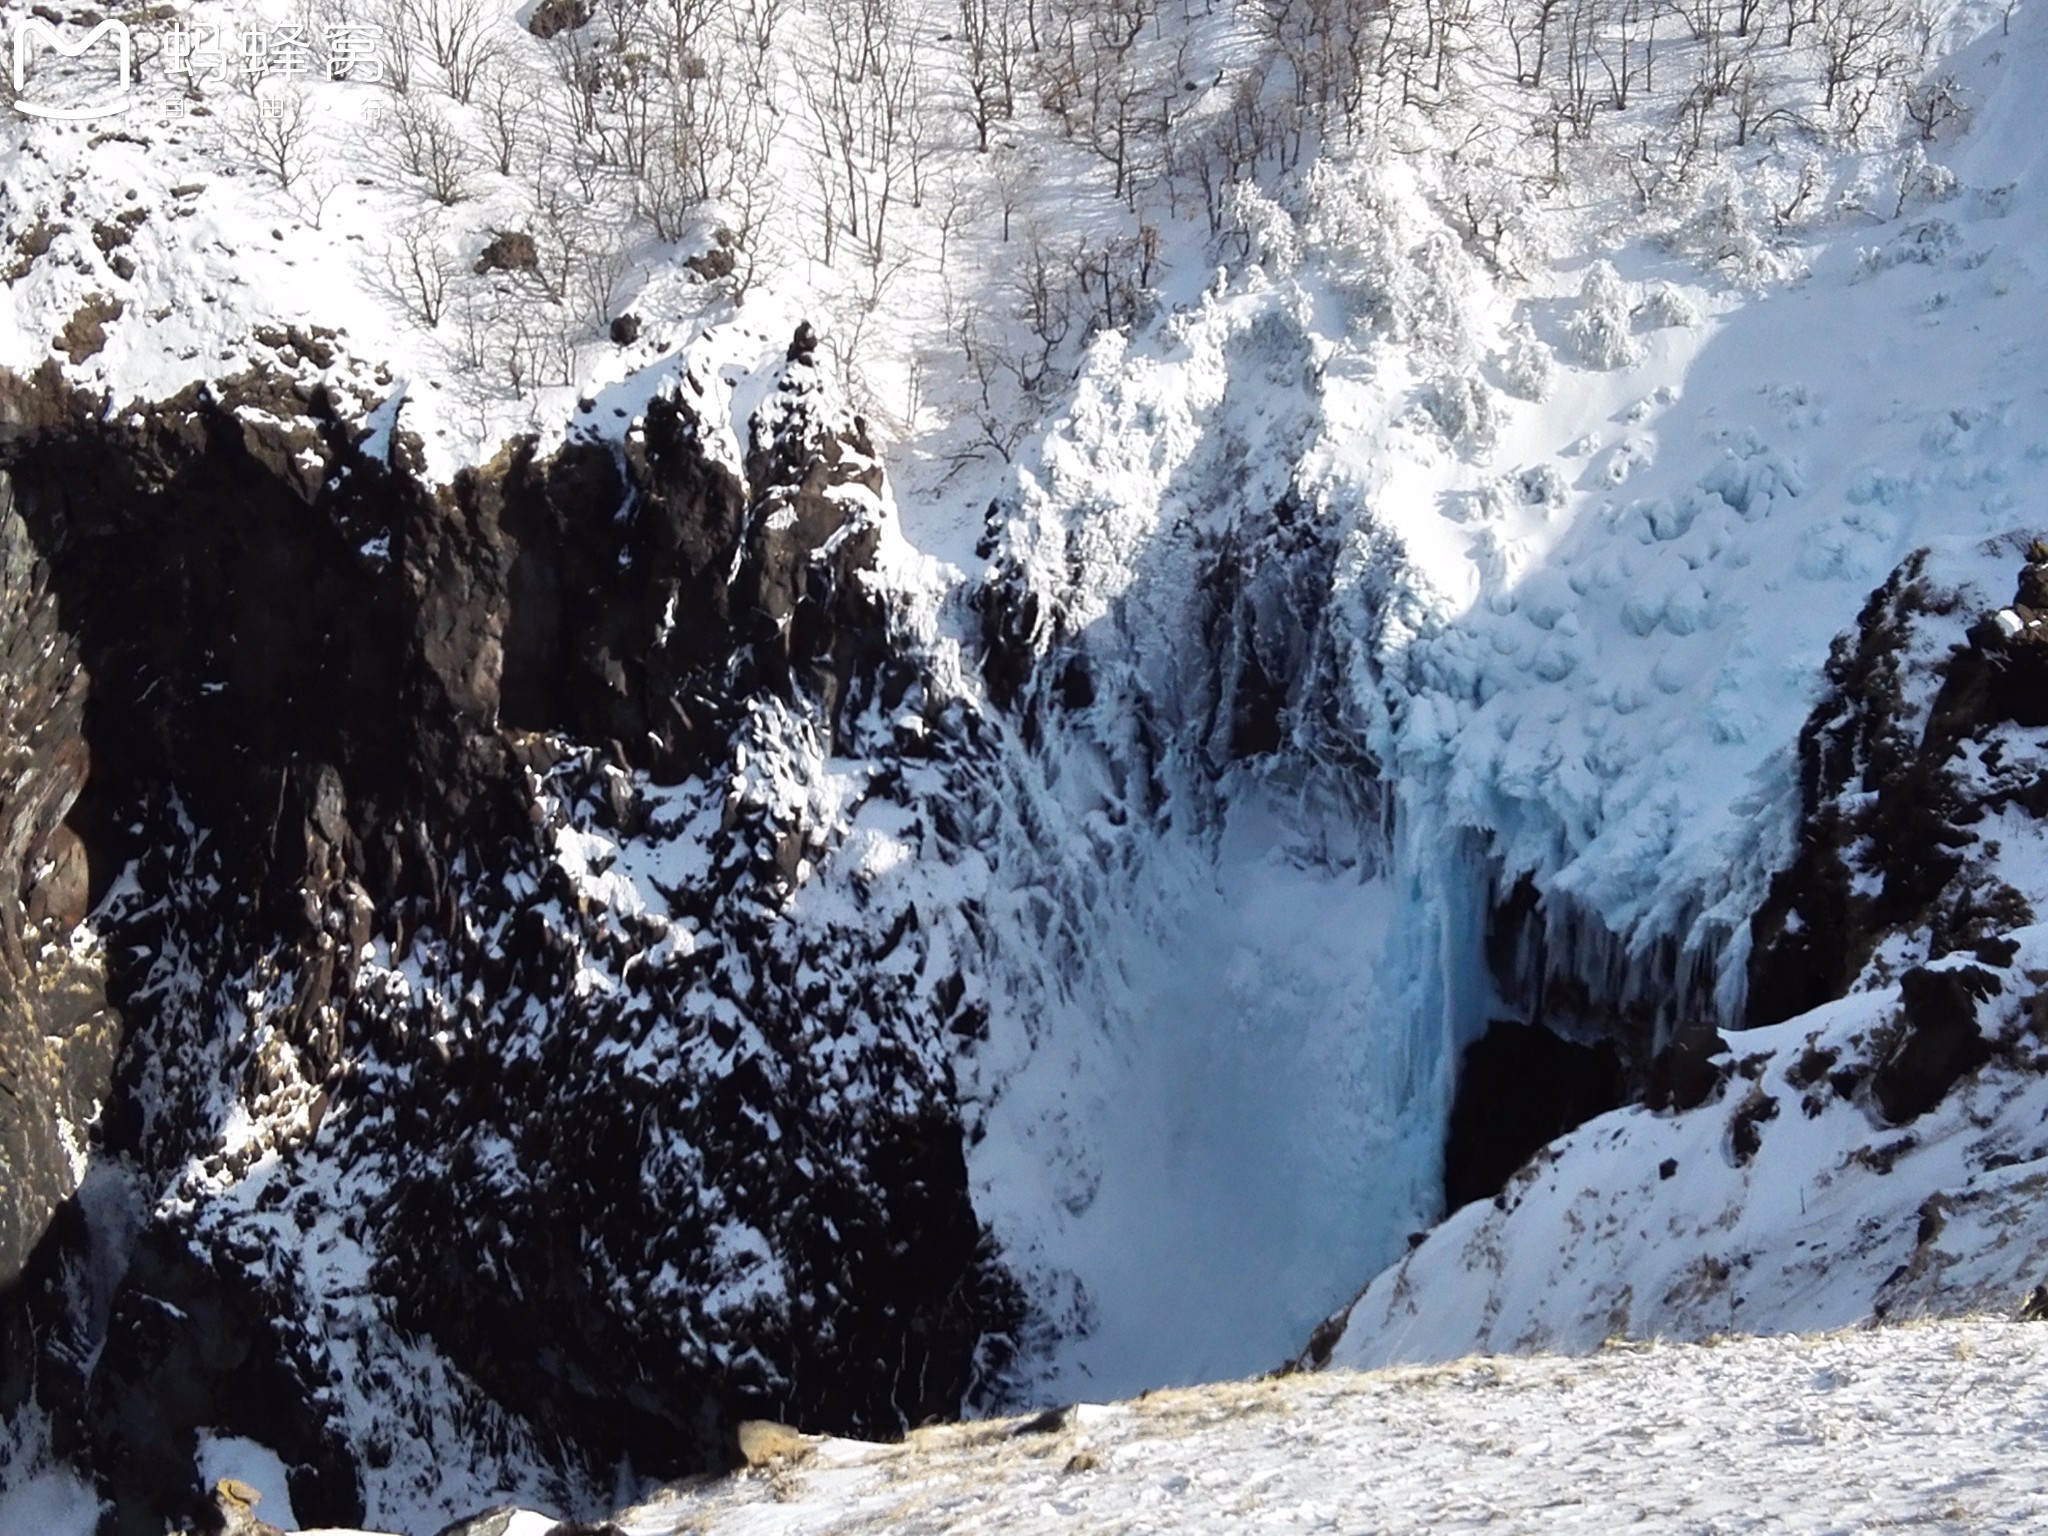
(57, 1034)
(1901, 765)
(369, 1052)
(1924, 780)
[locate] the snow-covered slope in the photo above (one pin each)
(1931, 1426)
(1920, 1426)
(1788, 1203)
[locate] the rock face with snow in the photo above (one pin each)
(1921, 786)
(357, 761)
(57, 1036)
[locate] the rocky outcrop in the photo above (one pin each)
(1924, 781)
(452, 950)
(58, 1037)
(1924, 735)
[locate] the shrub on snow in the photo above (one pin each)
(1732, 228)
(1667, 307)
(1599, 329)
(1401, 272)
(1268, 231)
(1524, 363)
(1463, 409)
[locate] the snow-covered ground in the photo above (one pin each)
(1930, 1427)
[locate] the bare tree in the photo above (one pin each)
(634, 95)
(1862, 46)
(1109, 93)
(312, 196)
(578, 75)
(990, 45)
(421, 268)
(518, 350)
(958, 205)
(397, 56)
(431, 148)
(1329, 47)
(749, 131)
(508, 104)
(600, 274)
(1614, 45)
(473, 313)
(1935, 104)
(276, 132)
(666, 189)
(1000, 422)
(1042, 291)
(555, 343)
(1012, 188)
(568, 236)
(866, 99)
(1580, 96)
(752, 27)
(1529, 26)
(683, 32)
(461, 35)
(1811, 180)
